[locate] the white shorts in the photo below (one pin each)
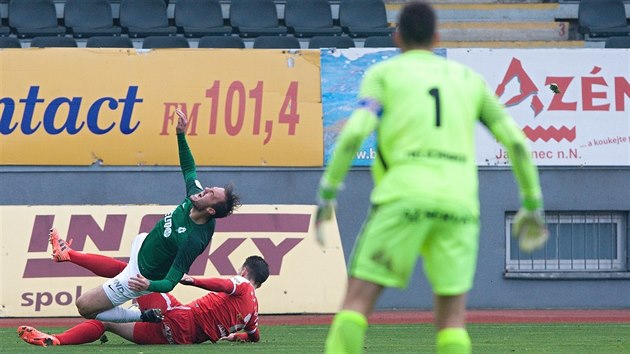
(117, 288)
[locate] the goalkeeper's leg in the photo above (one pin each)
(450, 318)
(347, 331)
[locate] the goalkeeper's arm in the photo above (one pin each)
(512, 138)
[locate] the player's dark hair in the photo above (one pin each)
(416, 23)
(231, 203)
(257, 268)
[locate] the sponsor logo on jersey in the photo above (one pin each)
(181, 230)
(168, 223)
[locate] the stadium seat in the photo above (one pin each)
(307, 18)
(364, 18)
(379, 42)
(253, 18)
(143, 18)
(10, 42)
(86, 18)
(4, 31)
(602, 18)
(221, 42)
(198, 18)
(109, 42)
(331, 42)
(617, 42)
(275, 42)
(34, 18)
(152, 42)
(49, 42)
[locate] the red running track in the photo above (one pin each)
(396, 317)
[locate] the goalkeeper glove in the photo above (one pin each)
(326, 203)
(530, 229)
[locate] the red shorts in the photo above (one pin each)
(178, 326)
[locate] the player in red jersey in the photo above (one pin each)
(228, 312)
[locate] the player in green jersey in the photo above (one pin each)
(425, 201)
(160, 258)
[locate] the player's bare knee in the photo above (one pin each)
(83, 308)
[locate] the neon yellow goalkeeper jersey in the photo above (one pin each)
(424, 109)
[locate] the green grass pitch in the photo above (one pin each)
(487, 338)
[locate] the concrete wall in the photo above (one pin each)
(565, 189)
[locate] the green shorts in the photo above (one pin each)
(395, 234)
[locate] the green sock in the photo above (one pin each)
(453, 341)
(346, 333)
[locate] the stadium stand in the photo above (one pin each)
(364, 18)
(109, 42)
(253, 18)
(340, 42)
(221, 42)
(276, 42)
(379, 42)
(50, 42)
(463, 23)
(34, 18)
(86, 18)
(602, 18)
(10, 42)
(143, 18)
(307, 18)
(198, 18)
(617, 42)
(153, 42)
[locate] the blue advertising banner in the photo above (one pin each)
(341, 72)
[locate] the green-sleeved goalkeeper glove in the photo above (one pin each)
(530, 229)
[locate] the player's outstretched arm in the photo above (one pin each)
(186, 160)
(362, 122)
(529, 225)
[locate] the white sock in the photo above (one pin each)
(119, 315)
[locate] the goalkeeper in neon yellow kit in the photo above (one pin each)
(425, 202)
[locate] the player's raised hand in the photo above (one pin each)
(182, 122)
(530, 229)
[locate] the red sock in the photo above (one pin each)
(103, 266)
(84, 332)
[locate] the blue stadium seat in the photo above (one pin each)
(109, 42)
(221, 42)
(49, 42)
(86, 18)
(253, 18)
(33, 18)
(143, 18)
(198, 18)
(602, 18)
(331, 42)
(617, 42)
(379, 42)
(307, 18)
(152, 42)
(10, 42)
(276, 42)
(364, 18)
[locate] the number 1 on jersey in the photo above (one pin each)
(436, 95)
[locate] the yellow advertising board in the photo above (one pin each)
(304, 277)
(79, 106)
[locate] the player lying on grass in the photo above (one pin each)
(228, 312)
(159, 259)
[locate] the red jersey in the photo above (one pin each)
(231, 306)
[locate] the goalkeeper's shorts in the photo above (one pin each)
(396, 234)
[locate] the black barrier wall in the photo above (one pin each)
(565, 189)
